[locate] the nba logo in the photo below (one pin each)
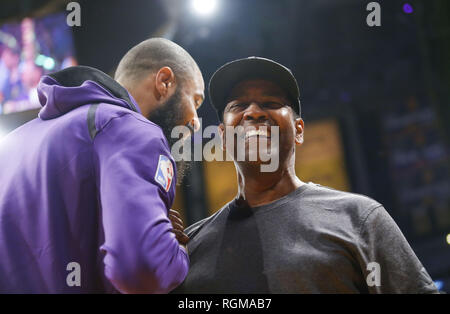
(164, 172)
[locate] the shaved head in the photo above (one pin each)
(151, 55)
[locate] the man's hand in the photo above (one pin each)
(178, 227)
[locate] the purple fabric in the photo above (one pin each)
(67, 198)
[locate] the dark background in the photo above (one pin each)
(387, 86)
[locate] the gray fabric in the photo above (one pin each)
(314, 240)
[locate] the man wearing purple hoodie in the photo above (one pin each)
(86, 188)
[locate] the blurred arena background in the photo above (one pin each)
(376, 100)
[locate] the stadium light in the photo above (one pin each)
(49, 63)
(204, 7)
(439, 284)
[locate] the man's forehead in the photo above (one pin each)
(200, 88)
(199, 77)
(257, 87)
(197, 83)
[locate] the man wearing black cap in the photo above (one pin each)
(281, 235)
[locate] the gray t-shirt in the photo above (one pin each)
(313, 240)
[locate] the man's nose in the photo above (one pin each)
(254, 112)
(195, 123)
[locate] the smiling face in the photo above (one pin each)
(257, 105)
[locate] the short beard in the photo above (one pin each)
(168, 116)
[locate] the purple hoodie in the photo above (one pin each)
(89, 181)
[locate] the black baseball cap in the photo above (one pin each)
(230, 74)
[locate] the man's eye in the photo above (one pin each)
(272, 105)
(238, 105)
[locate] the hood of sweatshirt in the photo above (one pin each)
(65, 90)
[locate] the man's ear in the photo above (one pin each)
(164, 82)
(299, 131)
(221, 129)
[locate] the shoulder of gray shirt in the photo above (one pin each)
(323, 198)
